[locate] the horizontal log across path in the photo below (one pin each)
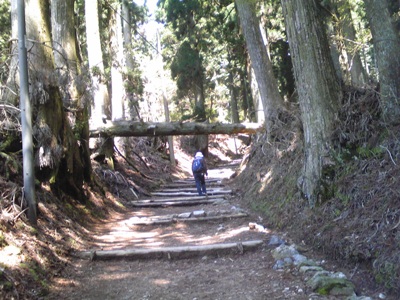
(134, 128)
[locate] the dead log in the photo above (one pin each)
(131, 128)
(169, 252)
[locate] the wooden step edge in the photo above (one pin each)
(193, 190)
(175, 203)
(192, 198)
(190, 219)
(217, 192)
(169, 252)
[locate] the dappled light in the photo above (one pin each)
(292, 107)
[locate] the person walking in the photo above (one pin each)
(199, 169)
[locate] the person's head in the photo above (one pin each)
(198, 154)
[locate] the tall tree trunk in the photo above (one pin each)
(100, 109)
(56, 155)
(130, 65)
(318, 89)
(118, 94)
(258, 108)
(358, 74)
(234, 95)
(267, 84)
(165, 100)
(335, 50)
(117, 57)
(10, 94)
(247, 104)
(68, 66)
(201, 141)
(387, 53)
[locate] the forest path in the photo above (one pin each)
(169, 247)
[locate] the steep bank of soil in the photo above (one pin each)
(357, 223)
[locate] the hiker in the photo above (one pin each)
(199, 169)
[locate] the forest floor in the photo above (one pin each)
(53, 271)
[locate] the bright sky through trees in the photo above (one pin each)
(152, 25)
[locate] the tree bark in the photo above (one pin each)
(118, 93)
(358, 74)
(11, 93)
(127, 128)
(387, 53)
(318, 88)
(130, 64)
(56, 157)
(267, 84)
(233, 95)
(68, 66)
(101, 101)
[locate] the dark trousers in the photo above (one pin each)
(200, 183)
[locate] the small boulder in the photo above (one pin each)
(326, 283)
(284, 251)
(275, 241)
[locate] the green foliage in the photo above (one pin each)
(341, 156)
(344, 199)
(5, 35)
(186, 67)
(5, 28)
(385, 274)
(366, 152)
(11, 164)
(38, 274)
(133, 82)
(3, 241)
(203, 45)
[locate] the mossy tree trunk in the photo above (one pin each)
(318, 88)
(57, 154)
(69, 71)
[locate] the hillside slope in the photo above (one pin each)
(358, 222)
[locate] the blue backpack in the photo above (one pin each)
(197, 165)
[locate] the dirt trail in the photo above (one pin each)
(156, 223)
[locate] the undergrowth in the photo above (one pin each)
(359, 221)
